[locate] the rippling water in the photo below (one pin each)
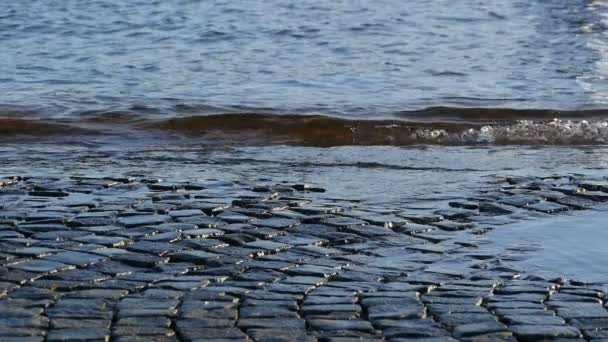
(114, 62)
(366, 57)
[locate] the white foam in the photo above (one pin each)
(555, 132)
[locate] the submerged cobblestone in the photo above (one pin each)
(129, 260)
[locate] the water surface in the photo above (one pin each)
(364, 58)
(572, 247)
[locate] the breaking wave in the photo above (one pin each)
(435, 125)
(330, 131)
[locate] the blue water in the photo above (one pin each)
(572, 247)
(360, 58)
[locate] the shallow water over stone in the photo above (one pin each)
(178, 244)
(572, 247)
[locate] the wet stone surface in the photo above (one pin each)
(143, 260)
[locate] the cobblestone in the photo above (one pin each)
(174, 262)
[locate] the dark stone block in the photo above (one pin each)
(76, 258)
(68, 323)
(142, 220)
(267, 312)
(39, 266)
(158, 248)
(415, 328)
(24, 322)
(163, 322)
(541, 332)
(202, 233)
(145, 330)
(139, 260)
(126, 313)
(88, 221)
(494, 209)
(482, 328)
(575, 202)
(78, 334)
(110, 241)
(164, 237)
(455, 319)
(325, 324)
(532, 320)
(390, 311)
(196, 257)
(276, 335)
(271, 323)
(191, 333)
(278, 223)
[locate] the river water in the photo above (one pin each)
(355, 58)
(358, 60)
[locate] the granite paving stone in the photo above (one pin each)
(129, 258)
(191, 333)
(67, 323)
(76, 258)
(34, 252)
(142, 220)
(268, 312)
(296, 335)
(532, 320)
(139, 260)
(40, 265)
(24, 322)
(414, 328)
(164, 237)
(158, 248)
(78, 334)
(539, 332)
(197, 257)
(99, 219)
(141, 331)
(389, 311)
(478, 328)
(267, 245)
(350, 324)
(111, 241)
(271, 323)
(163, 322)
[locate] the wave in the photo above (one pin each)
(10, 127)
(319, 130)
(434, 125)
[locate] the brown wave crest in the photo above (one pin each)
(318, 130)
(315, 130)
(27, 127)
(437, 125)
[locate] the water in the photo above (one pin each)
(412, 179)
(363, 58)
(572, 247)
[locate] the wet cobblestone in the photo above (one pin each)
(128, 259)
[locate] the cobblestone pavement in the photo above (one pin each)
(136, 259)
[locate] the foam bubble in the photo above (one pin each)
(554, 132)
